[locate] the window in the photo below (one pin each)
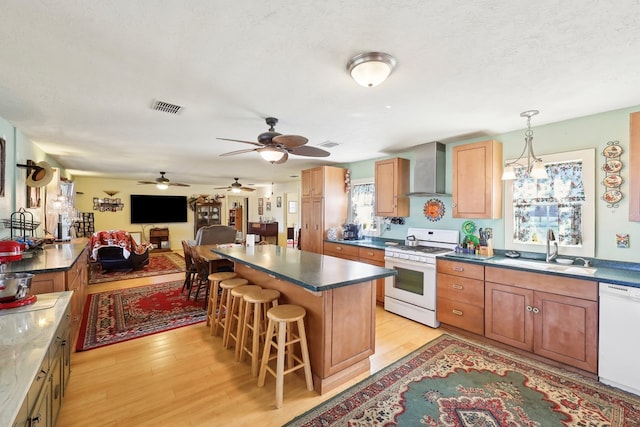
(564, 203)
(362, 206)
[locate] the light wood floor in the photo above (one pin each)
(184, 377)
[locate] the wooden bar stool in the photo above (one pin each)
(214, 284)
(225, 302)
(236, 315)
(257, 303)
(279, 318)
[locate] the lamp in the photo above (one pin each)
(371, 68)
(271, 154)
(534, 166)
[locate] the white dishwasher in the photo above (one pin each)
(619, 338)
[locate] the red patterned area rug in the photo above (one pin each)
(455, 382)
(159, 263)
(124, 314)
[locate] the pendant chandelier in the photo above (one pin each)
(528, 161)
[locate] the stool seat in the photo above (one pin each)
(236, 313)
(225, 302)
(279, 319)
(214, 281)
(255, 321)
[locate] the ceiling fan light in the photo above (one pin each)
(235, 189)
(162, 186)
(271, 154)
(371, 68)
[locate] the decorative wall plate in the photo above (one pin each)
(612, 166)
(612, 181)
(434, 210)
(612, 196)
(468, 227)
(612, 151)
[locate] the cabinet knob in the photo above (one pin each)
(458, 287)
(456, 268)
(536, 310)
(338, 248)
(529, 308)
(457, 312)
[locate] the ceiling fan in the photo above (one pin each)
(275, 147)
(236, 187)
(163, 182)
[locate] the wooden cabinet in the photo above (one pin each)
(235, 218)
(634, 166)
(392, 185)
(355, 253)
(264, 229)
(207, 213)
(555, 317)
(43, 401)
(460, 295)
(159, 237)
(324, 205)
(477, 180)
(75, 279)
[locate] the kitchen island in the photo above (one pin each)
(338, 295)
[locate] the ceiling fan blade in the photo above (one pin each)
(222, 188)
(232, 153)
(305, 150)
(247, 189)
(290, 141)
(146, 182)
(283, 159)
(239, 140)
(177, 184)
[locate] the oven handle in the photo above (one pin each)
(391, 262)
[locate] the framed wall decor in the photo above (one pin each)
(279, 202)
(3, 144)
(268, 206)
(260, 202)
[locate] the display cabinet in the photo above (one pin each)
(235, 218)
(159, 237)
(205, 214)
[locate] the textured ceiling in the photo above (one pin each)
(79, 77)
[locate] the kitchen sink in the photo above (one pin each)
(544, 266)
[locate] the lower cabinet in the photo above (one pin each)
(355, 253)
(460, 295)
(42, 405)
(555, 317)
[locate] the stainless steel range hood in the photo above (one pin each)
(429, 170)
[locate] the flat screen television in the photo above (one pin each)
(149, 209)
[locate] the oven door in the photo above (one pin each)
(415, 283)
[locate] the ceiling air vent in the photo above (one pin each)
(328, 144)
(166, 107)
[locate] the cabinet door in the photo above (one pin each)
(392, 182)
(566, 330)
(312, 182)
(312, 224)
(508, 315)
(477, 180)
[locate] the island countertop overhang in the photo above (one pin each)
(309, 270)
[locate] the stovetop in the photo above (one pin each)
(434, 250)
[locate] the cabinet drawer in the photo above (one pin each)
(464, 316)
(462, 289)
(371, 254)
(342, 251)
(464, 269)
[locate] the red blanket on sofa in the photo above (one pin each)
(119, 238)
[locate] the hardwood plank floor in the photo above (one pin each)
(185, 377)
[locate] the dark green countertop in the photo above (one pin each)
(49, 259)
(373, 243)
(619, 273)
(307, 269)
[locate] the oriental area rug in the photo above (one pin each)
(120, 315)
(159, 263)
(455, 382)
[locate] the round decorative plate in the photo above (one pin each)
(612, 181)
(612, 196)
(612, 151)
(612, 166)
(468, 227)
(434, 210)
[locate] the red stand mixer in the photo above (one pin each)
(14, 287)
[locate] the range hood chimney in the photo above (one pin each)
(429, 170)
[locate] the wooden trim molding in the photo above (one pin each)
(634, 164)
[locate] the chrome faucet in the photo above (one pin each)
(551, 253)
(586, 262)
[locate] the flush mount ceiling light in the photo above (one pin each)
(533, 166)
(371, 68)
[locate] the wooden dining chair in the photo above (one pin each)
(190, 272)
(201, 281)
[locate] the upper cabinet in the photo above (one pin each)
(392, 185)
(634, 166)
(312, 182)
(477, 180)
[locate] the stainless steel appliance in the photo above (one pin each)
(412, 293)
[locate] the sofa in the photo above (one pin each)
(117, 250)
(215, 234)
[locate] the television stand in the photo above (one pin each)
(159, 237)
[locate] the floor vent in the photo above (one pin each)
(166, 107)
